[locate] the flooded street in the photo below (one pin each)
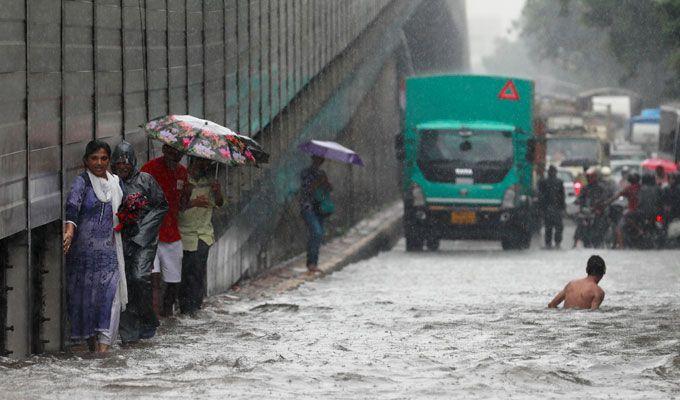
(469, 321)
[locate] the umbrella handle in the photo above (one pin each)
(217, 169)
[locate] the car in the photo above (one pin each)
(619, 166)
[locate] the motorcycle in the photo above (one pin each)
(644, 232)
(591, 226)
(673, 233)
(614, 215)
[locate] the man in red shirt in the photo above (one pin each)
(631, 193)
(173, 179)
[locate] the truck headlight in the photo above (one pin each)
(509, 197)
(417, 195)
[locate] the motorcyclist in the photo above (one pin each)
(608, 180)
(671, 197)
(595, 192)
(631, 193)
(650, 197)
(593, 196)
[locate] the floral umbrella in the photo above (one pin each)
(205, 139)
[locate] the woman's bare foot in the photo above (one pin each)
(102, 348)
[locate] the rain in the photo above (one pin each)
(372, 199)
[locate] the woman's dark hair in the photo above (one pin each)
(94, 146)
(634, 178)
(648, 179)
(596, 266)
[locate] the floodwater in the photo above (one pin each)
(467, 322)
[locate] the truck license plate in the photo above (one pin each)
(463, 217)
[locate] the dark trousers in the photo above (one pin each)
(192, 288)
(553, 223)
(315, 235)
(139, 320)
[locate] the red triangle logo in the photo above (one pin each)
(509, 92)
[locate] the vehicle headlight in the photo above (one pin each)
(417, 195)
(509, 197)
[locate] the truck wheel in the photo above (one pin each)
(525, 240)
(432, 244)
(518, 240)
(413, 243)
(508, 244)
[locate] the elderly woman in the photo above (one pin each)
(140, 240)
(95, 269)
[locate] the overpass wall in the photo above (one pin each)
(281, 71)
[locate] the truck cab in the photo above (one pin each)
(576, 151)
(467, 150)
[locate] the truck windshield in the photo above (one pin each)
(466, 148)
(573, 151)
(452, 155)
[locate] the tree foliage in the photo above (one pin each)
(631, 43)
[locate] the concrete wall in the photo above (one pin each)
(282, 71)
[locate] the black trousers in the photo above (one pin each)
(192, 289)
(138, 321)
(553, 222)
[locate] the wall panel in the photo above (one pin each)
(195, 66)
(274, 58)
(44, 111)
(101, 69)
(177, 57)
(231, 60)
(254, 66)
(13, 128)
(243, 37)
(214, 61)
(265, 63)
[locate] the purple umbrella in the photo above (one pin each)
(331, 151)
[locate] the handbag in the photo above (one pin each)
(323, 203)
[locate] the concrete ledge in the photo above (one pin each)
(372, 235)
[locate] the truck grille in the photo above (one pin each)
(447, 174)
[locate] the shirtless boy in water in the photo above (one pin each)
(583, 293)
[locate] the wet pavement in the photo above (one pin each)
(469, 321)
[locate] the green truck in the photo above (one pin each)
(467, 150)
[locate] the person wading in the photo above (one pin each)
(195, 225)
(583, 293)
(552, 203)
(314, 187)
(172, 177)
(140, 241)
(95, 272)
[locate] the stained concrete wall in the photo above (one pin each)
(283, 71)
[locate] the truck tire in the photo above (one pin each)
(413, 243)
(432, 244)
(518, 240)
(414, 239)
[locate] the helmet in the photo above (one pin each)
(606, 171)
(592, 175)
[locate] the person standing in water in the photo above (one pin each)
(313, 178)
(140, 241)
(583, 293)
(172, 177)
(95, 264)
(552, 203)
(196, 229)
